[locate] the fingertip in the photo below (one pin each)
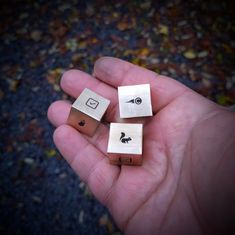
(62, 132)
(58, 112)
(102, 60)
(50, 112)
(98, 66)
(106, 60)
(106, 68)
(74, 81)
(67, 79)
(66, 139)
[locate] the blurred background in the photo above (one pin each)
(191, 41)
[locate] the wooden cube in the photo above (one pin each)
(135, 101)
(87, 111)
(125, 144)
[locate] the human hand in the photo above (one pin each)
(185, 184)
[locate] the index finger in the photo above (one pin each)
(117, 72)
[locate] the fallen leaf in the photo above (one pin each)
(50, 153)
(122, 25)
(71, 44)
(37, 199)
(163, 29)
(62, 175)
(13, 84)
(81, 217)
(202, 54)
(53, 77)
(224, 100)
(206, 83)
(190, 54)
(29, 161)
(82, 44)
(36, 35)
(143, 51)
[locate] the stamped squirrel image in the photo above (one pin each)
(123, 139)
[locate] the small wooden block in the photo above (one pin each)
(125, 144)
(87, 112)
(135, 101)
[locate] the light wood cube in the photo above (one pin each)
(87, 111)
(135, 101)
(125, 144)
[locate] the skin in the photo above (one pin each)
(186, 182)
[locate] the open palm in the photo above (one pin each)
(171, 192)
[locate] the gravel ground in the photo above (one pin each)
(191, 41)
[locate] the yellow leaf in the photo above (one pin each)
(163, 29)
(144, 51)
(190, 54)
(136, 61)
(122, 25)
(51, 153)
